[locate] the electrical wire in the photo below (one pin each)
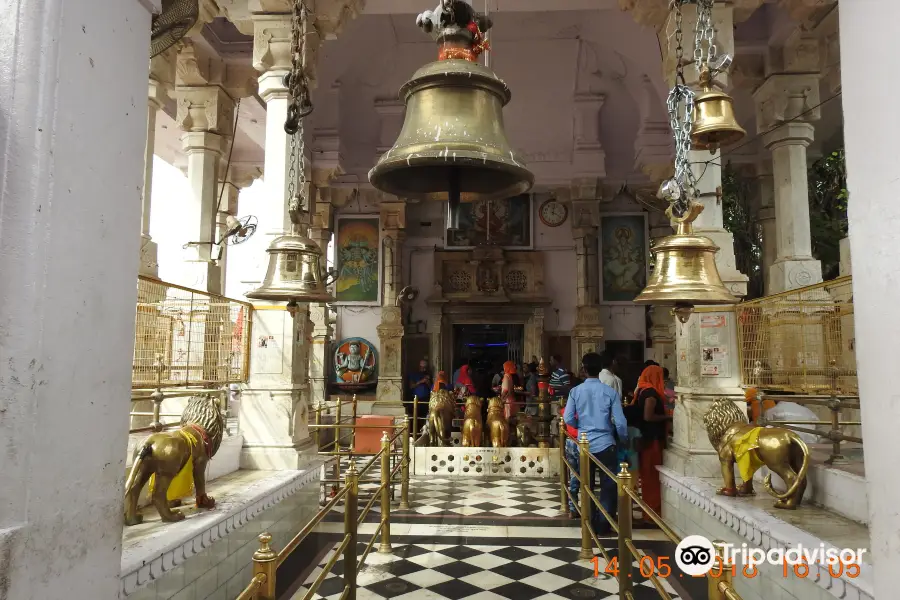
(759, 135)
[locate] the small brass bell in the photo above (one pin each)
(714, 123)
(685, 274)
(294, 274)
(452, 142)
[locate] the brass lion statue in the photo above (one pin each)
(175, 461)
(752, 447)
(472, 426)
(524, 433)
(497, 426)
(441, 407)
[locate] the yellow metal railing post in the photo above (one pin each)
(385, 547)
(415, 417)
(319, 408)
(337, 440)
(623, 483)
(350, 507)
(584, 460)
(716, 586)
(353, 422)
(563, 469)
(265, 563)
(404, 469)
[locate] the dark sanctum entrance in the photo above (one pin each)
(487, 346)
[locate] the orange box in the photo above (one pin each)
(368, 439)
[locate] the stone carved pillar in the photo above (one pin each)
(691, 452)
(588, 157)
(587, 333)
(323, 327)
(764, 193)
(783, 98)
(157, 95)
(390, 119)
(274, 415)
(389, 395)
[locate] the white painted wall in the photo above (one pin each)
(73, 118)
(871, 130)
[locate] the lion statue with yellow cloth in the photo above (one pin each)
(752, 447)
(174, 462)
(441, 407)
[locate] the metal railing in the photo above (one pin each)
(800, 341)
(266, 560)
(719, 578)
(185, 337)
(836, 405)
(157, 397)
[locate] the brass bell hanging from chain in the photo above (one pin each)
(294, 274)
(714, 123)
(452, 146)
(685, 274)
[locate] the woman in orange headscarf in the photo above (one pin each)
(507, 389)
(650, 399)
(440, 383)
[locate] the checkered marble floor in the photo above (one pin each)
(486, 497)
(432, 571)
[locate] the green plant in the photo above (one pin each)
(828, 197)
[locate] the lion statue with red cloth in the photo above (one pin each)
(174, 462)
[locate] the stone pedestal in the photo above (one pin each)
(274, 405)
(587, 333)
(708, 368)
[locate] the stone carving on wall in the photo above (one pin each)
(497, 275)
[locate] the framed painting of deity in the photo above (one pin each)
(507, 223)
(357, 257)
(623, 257)
(355, 364)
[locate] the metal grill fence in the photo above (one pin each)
(801, 341)
(186, 337)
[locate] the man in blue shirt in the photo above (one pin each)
(420, 384)
(595, 409)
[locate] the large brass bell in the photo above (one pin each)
(452, 146)
(294, 273)
(685, 274)
(714, 123)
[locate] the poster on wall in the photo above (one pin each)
(623, 257)
(505, 223)
(357, 258)
(713, 346)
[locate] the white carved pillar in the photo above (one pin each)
(239, 177)
(588, 157)
(780, 101)
(389, 395)
(764, 192)
(697, 386)
(868, 36)
(323, 327)
(587, 334)
(156, 99)
(71, 168)
(390, 120)
(274, 407)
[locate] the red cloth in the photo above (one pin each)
(466, 379)
(651, 456)
(652, 377)
(572, 430)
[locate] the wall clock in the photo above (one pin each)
(553, 213)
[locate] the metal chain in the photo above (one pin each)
(681, 96)
(705, 50)
(299, 106)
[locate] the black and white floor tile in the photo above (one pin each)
(434, 571)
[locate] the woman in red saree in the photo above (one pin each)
(650, 399)
(507, 389)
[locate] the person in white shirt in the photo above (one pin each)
(608, 374)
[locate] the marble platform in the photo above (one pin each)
(692, 506)
(208, 554)
(483, 462)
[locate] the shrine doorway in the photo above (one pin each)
(487, 345)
